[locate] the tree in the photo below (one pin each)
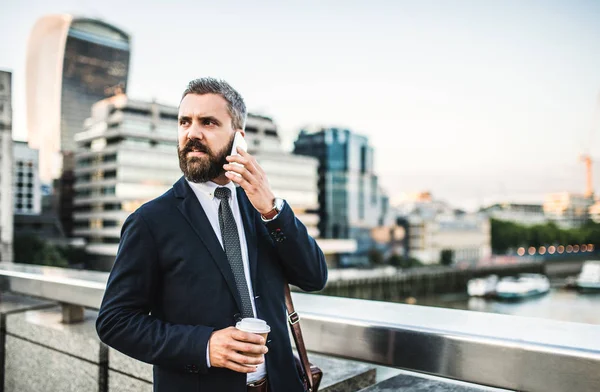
(375, 256)
(30, 249)
(447, 257)
(510, 235)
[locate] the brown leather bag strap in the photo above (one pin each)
(293, 320)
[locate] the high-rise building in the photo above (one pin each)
(127, 155)
(27, 189)
(71, 64)
(6, 164)
(351, 202)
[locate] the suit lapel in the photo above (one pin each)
(248, 217)
(193, 212)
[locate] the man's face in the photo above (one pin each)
(205, 136)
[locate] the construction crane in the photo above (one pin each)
(587, 159)
(589, 182)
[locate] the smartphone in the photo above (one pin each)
(238, 141)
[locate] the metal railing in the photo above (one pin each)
(520, 353)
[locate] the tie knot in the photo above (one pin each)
(222, 193)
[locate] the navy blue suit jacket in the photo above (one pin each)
(171, 286)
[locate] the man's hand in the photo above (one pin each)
(253, 180)
(234, 349)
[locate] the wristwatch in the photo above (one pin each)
(277, 207)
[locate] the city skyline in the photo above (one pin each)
(514, 86)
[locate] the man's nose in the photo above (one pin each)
(195, 132)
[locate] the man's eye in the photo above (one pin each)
(208, 122)
(183, 122)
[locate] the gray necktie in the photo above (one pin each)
(231, 243)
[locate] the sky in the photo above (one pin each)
(476, 101)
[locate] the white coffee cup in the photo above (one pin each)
(254, 325)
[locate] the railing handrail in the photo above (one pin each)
(491, 349)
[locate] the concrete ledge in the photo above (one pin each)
(34, 368)
(415, 382)
(121, 363)
(43, 354)
(45, 327)
(118, 382)
(10, 304)
(340, 375)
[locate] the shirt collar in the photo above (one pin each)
(208, 188)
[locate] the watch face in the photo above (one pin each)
(278, 204)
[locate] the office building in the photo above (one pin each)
(126, 155)
(568, 210)
(351, 202)
(6, 167)
(27, 189)
(523, 214)
(431, 227)
(71, 64)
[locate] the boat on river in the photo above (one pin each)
(589, 277)
(522, 286)
(482, 287)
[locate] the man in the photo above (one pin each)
(207, 253)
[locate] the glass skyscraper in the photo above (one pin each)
(71, 64)
(351, 202)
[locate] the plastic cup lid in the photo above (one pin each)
(253, 325)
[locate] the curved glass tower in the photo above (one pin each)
(71, 64)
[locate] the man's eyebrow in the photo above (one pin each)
(200, 118)
(211, 118)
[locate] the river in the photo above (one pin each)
(558, 304)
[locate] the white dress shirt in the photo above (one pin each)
(205, 193)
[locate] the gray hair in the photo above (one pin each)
(235, 102)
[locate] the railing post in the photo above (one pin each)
(72, 314)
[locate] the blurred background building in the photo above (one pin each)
(436, 233)
(6, 167)
(126, 155)
(71, 64)
(525, 214)
(351, 202)
(27, 190)
(567, 209)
